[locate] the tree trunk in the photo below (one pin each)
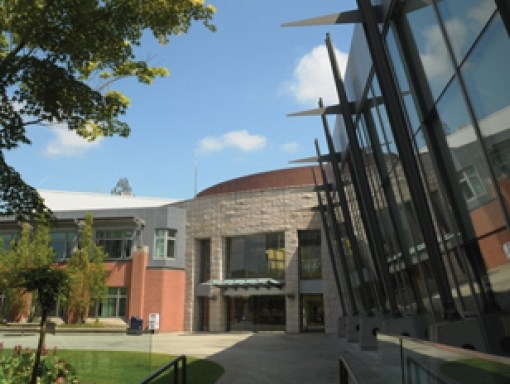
(40, 346)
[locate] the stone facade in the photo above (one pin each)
(218, 216)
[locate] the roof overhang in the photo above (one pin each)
(246, 283)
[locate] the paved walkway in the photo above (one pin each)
(260, 358)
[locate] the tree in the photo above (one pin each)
(58, 60)
(49, 284)
(31, 250)
(87, 275)
(28, 268)
(122, 188)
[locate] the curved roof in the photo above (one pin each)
(272, 179)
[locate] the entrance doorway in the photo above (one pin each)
(312, 308)
(256, 313)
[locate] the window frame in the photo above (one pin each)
(127, 241)
(170, 236)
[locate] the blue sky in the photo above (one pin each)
(221, 112)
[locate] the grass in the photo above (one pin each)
(112, 367)
(474, 371)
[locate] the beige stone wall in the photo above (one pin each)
(216, 217)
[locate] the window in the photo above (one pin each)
(117, 243)
(63, 243)
(164, 247)
(205, 260)
(255, 256)
(113, 304)
(471, 184)
(7, 238)
(309, 254)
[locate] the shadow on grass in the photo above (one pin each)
(113, 367)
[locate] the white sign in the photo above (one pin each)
(153, 321)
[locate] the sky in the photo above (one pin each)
(219, 115)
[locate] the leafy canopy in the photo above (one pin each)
(51, 54)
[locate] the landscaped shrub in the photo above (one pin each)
(16, 367)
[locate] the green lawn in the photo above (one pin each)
(475, 371)
(107, 367)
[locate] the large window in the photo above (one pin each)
(164, 247)
(205, 260)
(256, 256)
(309, 254)
(113, 304)
(7, 238)
(116, 243)
(63, 242)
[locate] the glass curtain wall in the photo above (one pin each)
(361, 271)
(309, 249)
(256, 256)
(452, 56)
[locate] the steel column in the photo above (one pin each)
(338, 236)
(366, 205)
(398, 123)
(329, 244)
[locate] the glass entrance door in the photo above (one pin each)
(256, 313)
(312, 313)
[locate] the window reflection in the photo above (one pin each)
(256, 256)
(425, 45)
(309, 248)
(488, 84)
(465, 150)
(463, 21)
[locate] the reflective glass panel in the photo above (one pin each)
(400, 74)
(488, 84)
(425, 47)
(309, 249)
(465, 152)
(463, 21)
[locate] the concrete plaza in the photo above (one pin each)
(259, 358)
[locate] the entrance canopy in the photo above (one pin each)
(247, 283)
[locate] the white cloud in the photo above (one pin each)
(292, 147)
(67, 143)
(241, 140)
(481, 13)
(313, 77)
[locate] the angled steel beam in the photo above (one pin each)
(504, 11)
(393, 210)
(314, 159)
(397, 120)
(369, 215)
(347, 17)
(343, 256)
(329, 244)
(334, 160)
(330, 110)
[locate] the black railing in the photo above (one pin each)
(172, 364)
(347, 375)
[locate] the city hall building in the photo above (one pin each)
(402, 228)
(244, 255)
(143, 239)
(256, 259)
(418, 177)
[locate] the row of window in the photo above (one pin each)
(263, 255)
(113, 304)
(116, 243)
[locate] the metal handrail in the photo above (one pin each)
(172, 364)
(347, 375)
